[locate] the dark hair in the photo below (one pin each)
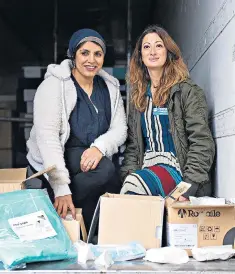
(174, 70)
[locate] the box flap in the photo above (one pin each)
(46, 170)
(78, 211)
(83, 228)
(95, 219)
(73, 229)
(73, 226)
(178, 191)
(12, 175)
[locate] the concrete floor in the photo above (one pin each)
(137, 266)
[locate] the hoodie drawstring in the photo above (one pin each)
(65, 111)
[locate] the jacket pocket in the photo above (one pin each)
(181, 136)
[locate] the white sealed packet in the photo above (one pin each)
(171, 255)
(213, 253)
(104, 260)
(206, 200)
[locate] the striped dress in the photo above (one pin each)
(160, 172)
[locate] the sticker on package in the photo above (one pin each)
(34, 226)
(182, 235)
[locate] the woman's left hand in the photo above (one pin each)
(90, 159)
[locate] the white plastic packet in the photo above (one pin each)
(69, 217)
(171, 255)
(213, 253)
(206, 201)
(104, 260)
(84, 252)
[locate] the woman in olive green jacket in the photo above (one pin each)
(169, 139)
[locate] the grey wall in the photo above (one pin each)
(205, 31)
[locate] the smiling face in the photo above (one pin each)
(153, 51)
(89, 59)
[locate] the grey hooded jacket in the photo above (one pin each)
(188, 116)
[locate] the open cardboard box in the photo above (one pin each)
(126, 218)
(191, 226)
(12, 179)
(73, 227)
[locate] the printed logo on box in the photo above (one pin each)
(182, 213)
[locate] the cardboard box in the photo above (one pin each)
(73, 227)
(200, 226)
(14, 178)
(126, 218)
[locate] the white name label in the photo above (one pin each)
(34, 226)
(182, 235)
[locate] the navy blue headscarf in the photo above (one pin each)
(84, 35)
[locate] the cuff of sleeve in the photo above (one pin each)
(102, 150)
(59, 177)
(193, 189)
(61, 190)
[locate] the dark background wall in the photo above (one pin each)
(27, 27)
(27, 31)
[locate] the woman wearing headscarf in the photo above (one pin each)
(169, 139)
(79, 123)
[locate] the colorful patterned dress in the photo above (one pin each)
(160, 172)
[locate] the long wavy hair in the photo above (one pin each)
(174, 70)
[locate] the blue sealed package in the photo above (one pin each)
(120, 253)
(31, 230)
